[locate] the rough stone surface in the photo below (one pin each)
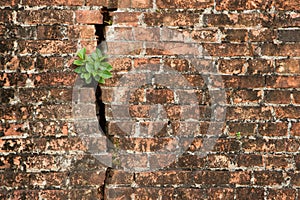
(171, 59)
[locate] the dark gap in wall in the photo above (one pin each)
(100, 34)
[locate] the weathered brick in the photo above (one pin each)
(262, 145)
(295, 130)
(269, 49)
(142, 4)
(273, 129)
(277, 96)
(53, 3)
(46, 47)
(128, 19)
(278, 162)
(268, 178)
(288, 66)
(6, 16)
(242, 5)
(249, 112)
(177, 4)
(289, 35)
(290, 112)
(277, 194)
(245, 96)
(287, 5)
(89, 17)
(249, 193)
(171, 19)
(163, 178)
(249, 160)
(9, 3)
(246, 129)
(262, 35)
(235, 35)
(212, 177)
(228, 49)
(282, 82)
(45, 17)
(87, 178)
(50, 32)
(54, 194)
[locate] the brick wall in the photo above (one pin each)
(188, 77)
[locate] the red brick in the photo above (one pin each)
(262, 35)
(273, 129)
(142, 4)
(242, 5)
(54, 79)
(246, 129)
(212, 177)
(295, 130)
(46, 47)
(250, 193)
(116, 193)
(288, 66)
(177, 4)
(45, 17)
(54, 194)
(278, 162)
(123, 33)
(235, 35)
(249, 160)
(128, 19)
(146, 34)
(87, 178)
(279, 194)
(228, 49)
(277, 96)
(283, 82)
(171, 19)
(163, 178)
(6, 16)
(190, 162)
(154, 193)
(289, 112)
(191, 193)
(289, 35)
(9, 3)
(249, 112)
(240, 177)
(262, 145)
(159, 96)
(89, 17)
(218, 161)
(291, 50)
(239, 20)
(246, 96)
(287, 5)
(53, 3)
(268, 178)
(119, 177)
(232, 66)
(97, 2)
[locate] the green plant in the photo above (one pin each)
(92, 66)
(238, 135)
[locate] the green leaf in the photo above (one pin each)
(89, 80)
(87, 76)
(106, 74)
(97, 65)
(97, 78)
(98, 52)
(89, 59)
(81, 54)
(106, 66)
(95, 56)
(101, 80)
(78, 70)
(89, 67)
(78, 62)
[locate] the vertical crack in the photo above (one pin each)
(100, 106)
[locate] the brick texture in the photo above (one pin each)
(204, 102)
